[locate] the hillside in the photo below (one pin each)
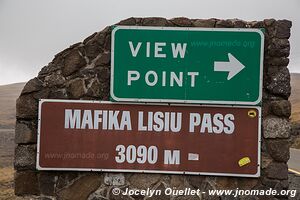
(8, 96)
(295, 97)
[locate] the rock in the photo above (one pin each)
(103, 73)
(275, 127)
(108, 29)
(278, 149)
(295, 143)
(279, 48)
(47, 182)
(93, 88)
(195, 181)
(247, 183)
(228, 197)
(154, 21)
(99, 194)
(86, 40)
(107, 43)
(205, 23)
(177, 181)
(277, 61)
(51, 67)
(269, 73)
(26, 107)
(33, 85)
(257, 24)
(72, 63)
(26, 182)
(285, 52)
(226, 183)
(209, 184)
(54, 79)
(25, 157)
(275, 184)
(103, 60)
(248, 198)
(88, 73)
(295, 128)
(127, 22)
(190, 197)
(263, 145)
(74, 46)
(104, 92)
(224, 24)
(294, 185)
(77, 88)
(58, 94)
(25, 133)
(66, 178)
(268, 96)
(281, 108)
(181, 21)
(160, 186)
(277, 171)
(114, 179)
(280, 83)
(81, 188)
(269, 182)
(283, 28)
(266, 160)
(269, 34)
(229, 183)
(113, 196)
(92, 49)
(266, 107)
(239, 23)
(43, 94)
(283, 184)
(264, 197)
(101, 38)
(269, 22)
(144, 181)
(45, 198)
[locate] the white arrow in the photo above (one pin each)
(193, 156)
(233, 66)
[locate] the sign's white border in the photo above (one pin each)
(184, 100)
(148, 171)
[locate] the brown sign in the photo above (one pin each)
(104, 136)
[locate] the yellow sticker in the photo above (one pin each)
(244, 161)
(252, 113)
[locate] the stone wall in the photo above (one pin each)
(82, 71)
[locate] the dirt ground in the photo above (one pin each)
(6, 183)
(7, 146)
(6, 164)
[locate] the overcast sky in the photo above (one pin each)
(33, 31)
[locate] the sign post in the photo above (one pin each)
(175, 139)
(187, 65)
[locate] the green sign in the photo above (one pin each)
(187, 65)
